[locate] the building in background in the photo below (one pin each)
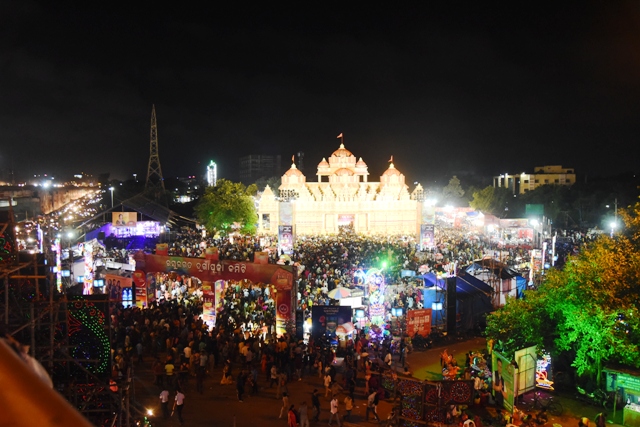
(543, 175)
(212, 174)
(256, 166)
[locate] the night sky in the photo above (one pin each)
(461, 88)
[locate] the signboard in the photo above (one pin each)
(325, 320)
(428, 215)
(114, 286)
(88, 269)
(58, 250)
(534, 210)
(503, 381)
(285, 238)
(286, 213)
(427, 236)
(419, 322)
(210, 296)
(124, 219)
(141, 297)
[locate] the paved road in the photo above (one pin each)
(219, 406)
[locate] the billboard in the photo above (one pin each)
(115, 285)
(503, 381)
(286, 213)
(419, 322)
(285, 238)
(325, 319)
(124, 219)
(428, 214)
(427, 236)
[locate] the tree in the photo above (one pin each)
(453, 191)
(225, 204)
(590, 309)
(519, 324)
(273, 183)
(491, 200)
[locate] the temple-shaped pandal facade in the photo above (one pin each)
(342, 196)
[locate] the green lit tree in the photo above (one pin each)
(226, 204)
(519, 324)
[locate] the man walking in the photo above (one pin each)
(240, 385)
(164, 402)
(179, 405)
(334, 410)
(315, 402)
(285, 404)
(303, 412)
(372, 406)
(348, 406)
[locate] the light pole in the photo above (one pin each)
(111, 189)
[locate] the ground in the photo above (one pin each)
(219, 406)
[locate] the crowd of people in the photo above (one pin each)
(180, 349)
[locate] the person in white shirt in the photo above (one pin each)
(164, 402)
(388, 359)
(179, 405)
(334, 411)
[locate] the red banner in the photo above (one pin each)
(419, 321)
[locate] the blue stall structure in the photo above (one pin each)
(473, 299)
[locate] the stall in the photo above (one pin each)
(625, 382)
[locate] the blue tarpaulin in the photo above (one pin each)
(473, 297)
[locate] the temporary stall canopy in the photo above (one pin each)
(466, 284)
(473, 297)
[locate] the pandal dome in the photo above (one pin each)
(391, 171)
(342, 152)
(293, 171)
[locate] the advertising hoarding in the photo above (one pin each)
(325, 320)
(124, 219)
(419, 322)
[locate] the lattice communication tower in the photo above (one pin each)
(155, 182)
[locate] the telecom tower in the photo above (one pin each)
(155, 183)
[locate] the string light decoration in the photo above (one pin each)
(411, 407)
(435, 415)
(461, 392)
(7, 246)
(88, 336)
(431, 397)
(410, 387)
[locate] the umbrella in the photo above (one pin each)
(339, 293)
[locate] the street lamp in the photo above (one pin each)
(613, 227)
(111, 189)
